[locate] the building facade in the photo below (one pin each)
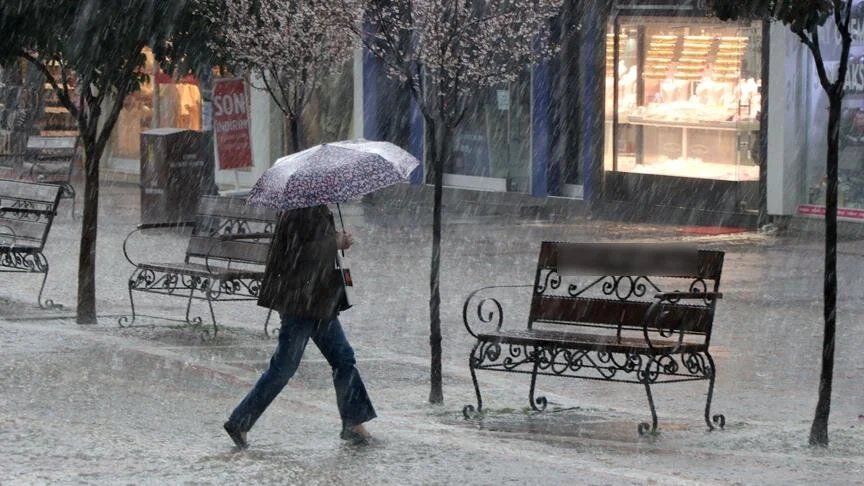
(799, 119)
(678, 112)
(666, 116)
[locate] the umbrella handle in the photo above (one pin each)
(339, 210)
(341, 222)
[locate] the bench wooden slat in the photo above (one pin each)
(573, 340)
(32, 191)
(568, 310)
(239, 251)
(201, 270)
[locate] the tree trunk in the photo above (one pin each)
(86, 310)
(437, 150)
(819, 429)
(294, 125)
(95, 139)
(762, 149)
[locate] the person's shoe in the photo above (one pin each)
(355, 434)
(237, 435)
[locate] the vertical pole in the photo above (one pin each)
(616, 58)
(544, 171)
(763, 126)
(206, 151)
(592, 63)
(640, 91)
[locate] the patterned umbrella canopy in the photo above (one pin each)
(331, 173)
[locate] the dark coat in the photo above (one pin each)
(299, 279)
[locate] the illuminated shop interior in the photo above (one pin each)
(683, 98)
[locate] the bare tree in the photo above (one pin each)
(90, 54)
(447, 52)
(292, 44)
(805, 18)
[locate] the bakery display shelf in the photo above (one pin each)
(739, 126)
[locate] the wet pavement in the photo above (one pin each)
(101, 404)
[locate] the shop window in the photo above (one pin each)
(493, 139)
(328, 115)
(161, 102)
(850, 190)
(688, 95)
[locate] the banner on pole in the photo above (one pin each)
(231, 123)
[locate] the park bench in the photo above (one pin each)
(224, 262)
(45, 159)
(27, 212)
(610, 312)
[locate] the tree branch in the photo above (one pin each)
(127, 84)
(843, 27)
(391, 48)
(837, 19)
(813, 45)
(280, 103)
(62, 94)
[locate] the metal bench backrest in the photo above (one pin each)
(27, 229)
(227, 216)
(619, 303)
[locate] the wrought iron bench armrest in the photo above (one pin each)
(676, 296)
(147, 226)
(177, 224)
(488, 309)
(245, 236)
(672, 298)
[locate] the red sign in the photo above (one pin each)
(846, 213)
(231, 123)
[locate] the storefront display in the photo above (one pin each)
(491, 146)
(850, 181)
(688, 97)
(850, 188)
(29, 106)
(161, 102)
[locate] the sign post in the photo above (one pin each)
(231, 124)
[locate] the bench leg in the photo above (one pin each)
(48, 303)
(469, 410)
(719, 418)
(644, 428)
(124, 321)
(210, 306)
(196, 320)
(538, 403)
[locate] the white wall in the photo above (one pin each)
(789, 120)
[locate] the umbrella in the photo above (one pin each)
(331, 173)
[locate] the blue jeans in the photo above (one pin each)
(351, 397)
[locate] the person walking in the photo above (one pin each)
(301, 283)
